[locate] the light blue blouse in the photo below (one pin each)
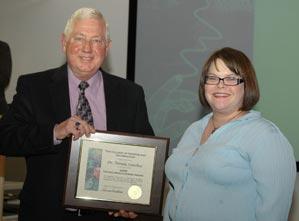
(245, 171)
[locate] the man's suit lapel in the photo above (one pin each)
(60, 94)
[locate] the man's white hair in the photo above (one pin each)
(85, 13)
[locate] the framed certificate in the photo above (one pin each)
(115, 171)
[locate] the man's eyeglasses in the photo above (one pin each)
(95, 42)
(228, 81)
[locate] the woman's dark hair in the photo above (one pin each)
(239, 64)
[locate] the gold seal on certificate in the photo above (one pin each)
(116, 171)
(134, 192)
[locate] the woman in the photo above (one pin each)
(232, 165)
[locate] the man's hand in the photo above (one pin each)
(73, 126)
(123, 213)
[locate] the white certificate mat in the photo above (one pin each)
(115, 172)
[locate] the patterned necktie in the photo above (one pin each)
(83, 109)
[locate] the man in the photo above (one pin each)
(43, 116)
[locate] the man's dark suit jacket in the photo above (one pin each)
(42, 100)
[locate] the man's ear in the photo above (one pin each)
(108, 47)
(63, 42)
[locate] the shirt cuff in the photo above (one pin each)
(55, 140)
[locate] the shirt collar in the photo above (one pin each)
(73, 80)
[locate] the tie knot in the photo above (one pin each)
(83, 85)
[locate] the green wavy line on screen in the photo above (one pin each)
(169, 97)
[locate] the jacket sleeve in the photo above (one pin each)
(142, 124)
(21, 134)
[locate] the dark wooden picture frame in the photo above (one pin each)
(158, 179)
